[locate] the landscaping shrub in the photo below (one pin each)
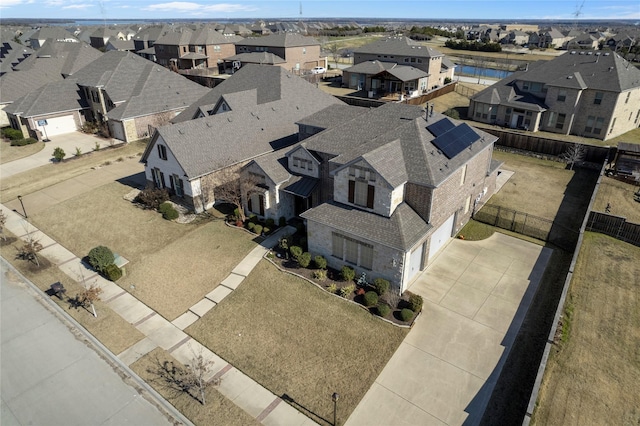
(270, 223)
(370, 298)
(346, 291)
(320, 275)
(383, 309)
(112, 272)
(282, 222)
(332, 288)
(303, 242)
(236, 214)
(251, 226)
(453, 113)
(266, 230)
(381, 285)
(12, 134)
(168, 211)
(305, 259)
(151, 198)
(347, 274)
(253, 218)
(100, 257)
(58, 154)
(415, 302)
(321, 262)
(258, 229)
(296, 251)
(406, 315)
(23, 142)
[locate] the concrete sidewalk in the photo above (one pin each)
(68, 142)
(250, 396)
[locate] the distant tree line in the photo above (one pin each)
(430, 31)
(475, 46)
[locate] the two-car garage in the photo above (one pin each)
(439, 239)
(57, 125)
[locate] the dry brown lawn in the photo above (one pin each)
(620, 196)
(113, 331)
(45, 176)
(172, 266)
(594, 377)
(298, 340)
(10, 153)
(218, 409)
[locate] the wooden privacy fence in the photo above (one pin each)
(432, 94)
(526, 224)
(614, 226)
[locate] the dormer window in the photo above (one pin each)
(362, 173)
(302, 163)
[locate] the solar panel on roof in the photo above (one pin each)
(454, 141)
(440, 127)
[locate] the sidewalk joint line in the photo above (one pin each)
(67, 261)
(111, 299)
(222, 372)
(140, 321)
(268, 410)
(180, 343)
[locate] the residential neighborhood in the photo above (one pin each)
(340, 221)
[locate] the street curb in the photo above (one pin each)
(154, 397)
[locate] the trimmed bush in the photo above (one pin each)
(58, 154)
(321, 262)
(381, 285)
(12, 134)
(100, 257)
(305, 259)
(253, 218)
(258, 229)
(282, 222)
(348, 290)
(112, 272)
(370, 298)
(151, 198)
(347, 274)
(296, 251)
(406, 315)
(266, 230)
(168, 211)
(453, 113)
(23, 142)
(383, 309)
(332, 288)
(320, 275)
(415, 302)
(270, 223)
(250, 226)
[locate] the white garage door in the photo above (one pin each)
(59, 126)
(415, 261)
(441, 236)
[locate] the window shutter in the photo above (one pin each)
(371, 190)
(249, 203)
(352, 190)
(261, 201)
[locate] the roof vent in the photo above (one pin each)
(582, 53)
(208, 124)
(181, 131)
(569, 77)
(230, 119)
(606, 53)
(589, 53)
(597, 53)
(573, 52)
(610, 69)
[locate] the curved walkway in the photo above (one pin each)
(260, 403)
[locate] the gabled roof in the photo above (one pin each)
(370, 67)
(11, 54)
(266, 58)
(151, 33)
(280, 40)
(64, 58)
(55, 33)
(400, 46)
(406, 73)
(274, 165)
(60, 96)
(118, 44)
(331, 117)
(400, 231)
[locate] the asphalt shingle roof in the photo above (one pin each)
(400, 46)
(60, 96)
(280, 40)
(257, 58)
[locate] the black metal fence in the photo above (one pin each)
(614, 226)
(527, 224)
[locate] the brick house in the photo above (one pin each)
(293, 52)
(583, 93)
(397, 64)
(252, 113)
(381, 190)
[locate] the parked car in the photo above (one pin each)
(318, 70)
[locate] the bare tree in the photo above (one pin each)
(29, 250)
(187, 380)
(3, 220)
(197, 371)
(573, 154)
(88, 297)
(335, 52)
(233, 185)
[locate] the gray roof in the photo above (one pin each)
(266, 58)
(55, 33)
(61, 57)
(302, 186)
(60, 96)
(11, 54)
(151, 33)
(143, 86)
(274, 165)
(395, 137)
(406, 73)
(118, 44)
(331, 117)
(401, 46)
(280, 40)
(265, 104)
(370, 67)
(510, 95)
(206, 35)
(400, 231)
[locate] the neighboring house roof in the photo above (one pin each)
(148, 51)
(280, 40)
(331, 117)
(54, 97)
(151, 33)
(274, 165)
(55, 33)
(64, 58)
(117, 44)
(11, 54)
(406, 73)
(206, 35)
(400, 231)
(447, 63)
(266, 58)
(370, 67)
(265, 104)
(398, 46)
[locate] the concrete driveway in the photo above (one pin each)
(476, 296)
(68, 142)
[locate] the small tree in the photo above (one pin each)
(232, 186)
(58, 154)
(573, 154)
(29, 250)
(335, 52)
(88, 297)
(3, 220)
(197, 371)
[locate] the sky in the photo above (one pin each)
(267, 9)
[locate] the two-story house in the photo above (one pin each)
(250, 114)
(397, 64)
(382, 190)
(584, 93)
(145, 39)
(293, 52)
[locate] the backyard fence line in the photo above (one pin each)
(526, 224)
(448, 88)
(614, 226)
(465, 91)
